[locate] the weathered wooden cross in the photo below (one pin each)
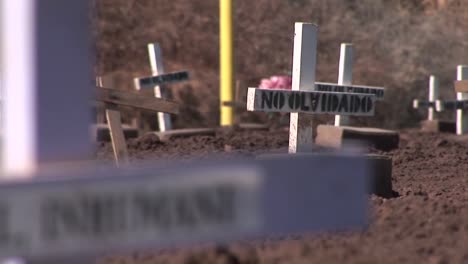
(114, 100)
(304, 98)
(65, 215)
(461, 104)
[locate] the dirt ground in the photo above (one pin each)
(426, 223)
(398, 45)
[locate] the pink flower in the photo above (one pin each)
(276, 82)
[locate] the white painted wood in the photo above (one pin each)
(119, 145)
(286, 101)
(114, 121)
(121, 210)
(43, 121)
(303, 78)
(345, 76)
(379, 92)
(433, 95)
(462, 114)
(18, 61)
(156, 62)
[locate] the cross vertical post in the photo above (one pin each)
(462, 114)
(114, 121)
(345, 76)
(303, 79)
(47, 113)
(157, 68)
(433, 95)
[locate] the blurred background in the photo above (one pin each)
(398, 44)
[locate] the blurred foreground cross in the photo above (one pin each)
(45, 62)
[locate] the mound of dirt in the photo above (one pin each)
(425, 223)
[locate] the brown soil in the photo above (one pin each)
(426, 223)
(398, 44)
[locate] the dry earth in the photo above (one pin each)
(426, 223)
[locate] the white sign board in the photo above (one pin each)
(151, 82)
(332, 87)
(114, 210)
(451, 105)
(69, 217)
(287, 101)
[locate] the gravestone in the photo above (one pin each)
(342, 134)
(432, 124)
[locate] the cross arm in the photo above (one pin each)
(362, 89)
(113, 98)
(461, 86)
(451, 105)
(423, 104)
(290, 101)
(152, 81)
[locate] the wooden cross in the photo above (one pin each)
(46, 106)
(304, 98)
(114, 101)
(461, 104)
(345, 77)
(157, 80)
(433, 97)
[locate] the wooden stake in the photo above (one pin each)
(119, 145)
(114, 121)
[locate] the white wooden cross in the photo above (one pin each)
(46, 106)
(460, 105)
(433, 97)
(345, 78)
(307, 96)
(157, 80)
